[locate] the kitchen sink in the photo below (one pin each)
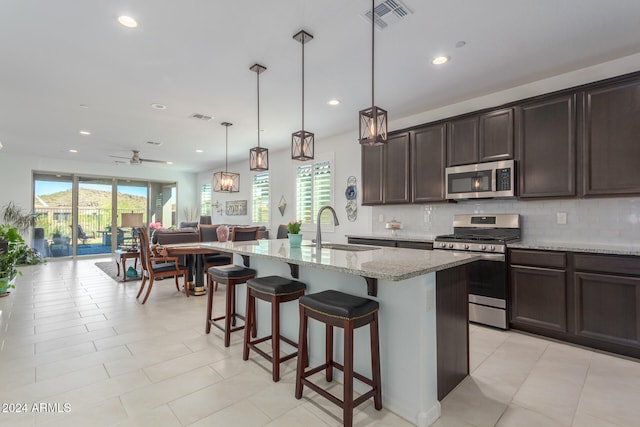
(345, 247)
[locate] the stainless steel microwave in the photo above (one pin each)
(481, 180)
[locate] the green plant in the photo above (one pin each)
(294, 227)
(14, 215)
(13, 251)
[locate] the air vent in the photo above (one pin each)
(201, 117)
(154, 143)
(388, 12)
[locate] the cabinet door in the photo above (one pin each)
(372, 174)
(607, 308)
(396, 167)
(428, 164)
(547, 145)
(539, 298)
(611, 147)
(462, 141)
(496, 136)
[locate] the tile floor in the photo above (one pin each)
(69, 335)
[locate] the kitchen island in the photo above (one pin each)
(423, 315)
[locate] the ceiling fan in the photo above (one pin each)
(135, 159)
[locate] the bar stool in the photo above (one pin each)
(230, 275)
(276, 290)
(348, 312)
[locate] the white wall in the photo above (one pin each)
(16, 177)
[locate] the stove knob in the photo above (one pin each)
(443, 245)
(483, 247)
(466, 246)
(493, 248)
(450, 245)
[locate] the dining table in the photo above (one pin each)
(195, 254)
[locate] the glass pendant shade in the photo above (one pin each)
(226, 182)
(302, 142)
(259, 159)
(373, 126)
(302, 145)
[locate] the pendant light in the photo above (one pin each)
(258, 157)
(373, 120)
(226, 182)
(302, 141)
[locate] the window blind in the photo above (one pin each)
(205, 199)
(313, 190)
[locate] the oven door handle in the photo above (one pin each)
(487, 256)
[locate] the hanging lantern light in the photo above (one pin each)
(373, 120)
(258, 156)
(302, 141)
(226, 182)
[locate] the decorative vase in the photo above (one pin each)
(223, 233)
(295, 240)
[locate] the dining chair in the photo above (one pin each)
(241, 234)
(156, 266)
(283, 231)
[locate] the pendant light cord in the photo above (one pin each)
(226, 149)
(373, 21)
(303, 40)
(258, 79)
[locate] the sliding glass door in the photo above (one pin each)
(52, 202)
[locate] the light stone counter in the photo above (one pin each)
(596, 248)
(394, 264)
(407, 280)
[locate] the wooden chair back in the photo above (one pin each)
(240, 234)
(145, 248)
(208, 233)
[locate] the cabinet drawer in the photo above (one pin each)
(608, 263)
(538, 258)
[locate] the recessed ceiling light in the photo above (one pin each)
(334, 102)
(439, 60)
(159, 106)
(73, 151)
(199, 151)
(85, 132)
(169, 163)
(127, 21)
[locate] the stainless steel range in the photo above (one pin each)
(488, 236)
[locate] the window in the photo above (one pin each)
(205, 199)
(313, 190)
(260, 198)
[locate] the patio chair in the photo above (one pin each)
(82, 235)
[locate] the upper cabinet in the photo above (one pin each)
(547, 147)
(428, 161)
(611, 141)
(484, 138)
(385, 171)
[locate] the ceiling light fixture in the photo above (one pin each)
(226, 182)
(439, 60)
(85, 132)
(333, 102)
(127, 21)
(199, 151)
(73, 151)
(302, 142)
(158, 106)
(373, 120)
(169, 163)
(258, 156)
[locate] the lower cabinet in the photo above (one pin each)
(588, 299)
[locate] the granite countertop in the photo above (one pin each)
(596, 248)
(389, 236)
(393, 264)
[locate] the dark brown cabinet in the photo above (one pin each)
(428, 162)
(407, 244)
(484, 138)
(396, 186)
(385, 171)
(547, 146)
(587, 299)
(538, 290)
(372, 174)
(611, 140)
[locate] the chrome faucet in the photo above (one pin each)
(319, 231)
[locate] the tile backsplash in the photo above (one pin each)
(602, 221)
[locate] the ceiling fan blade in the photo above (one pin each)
(153, 161)
(120, 157)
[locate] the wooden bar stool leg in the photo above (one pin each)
(249, 320)
(348, 374)
(232, 287)
(209, 311)
(328, 349)
(375, 362)
(227, 315)
(302, 352)
(275, 337)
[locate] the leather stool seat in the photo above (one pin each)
(340, 305)
(233, 271)
(275, 290)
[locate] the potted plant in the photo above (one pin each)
(13, 251)
(295, 237)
